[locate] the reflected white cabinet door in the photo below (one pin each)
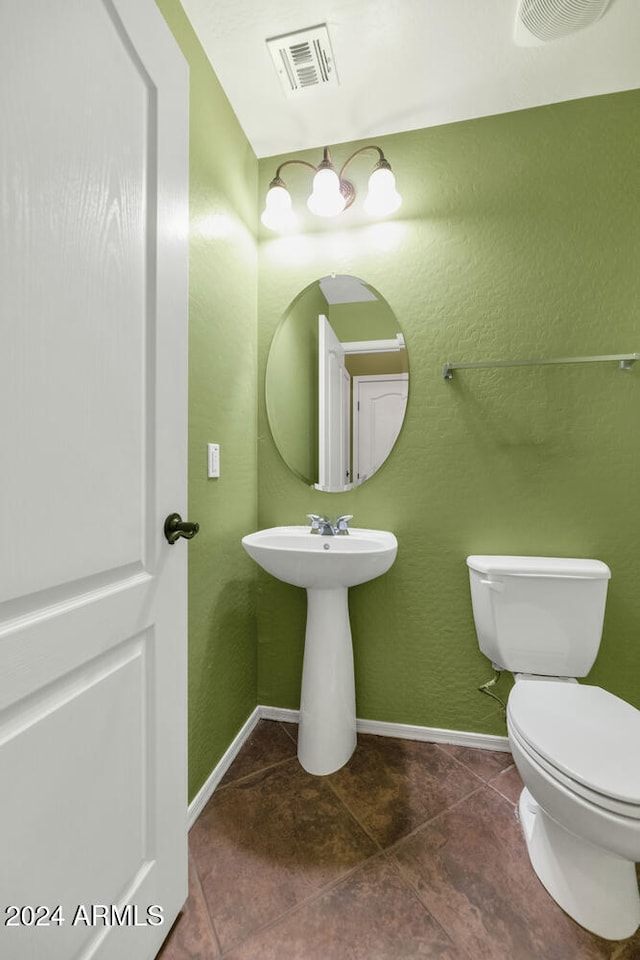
(93, 365)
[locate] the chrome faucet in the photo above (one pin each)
(321, 525)
(330, 528)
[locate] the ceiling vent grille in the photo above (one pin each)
(304, 60)
(541, 21)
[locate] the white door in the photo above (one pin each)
(379, 405)
(93, 299)
(333, 410)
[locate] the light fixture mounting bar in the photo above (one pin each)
(381, 161)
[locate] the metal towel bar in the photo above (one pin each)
(625, 362)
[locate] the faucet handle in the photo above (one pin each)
(342, 523)
(315, 520)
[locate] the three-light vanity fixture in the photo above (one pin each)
(331, 193)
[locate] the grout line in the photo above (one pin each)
(268, 766)
(469, 769)
(254, 773)
(316, 895)
(385, 850)
(461, 953)
(212, 923)
(488, 783)
(282, 724)
(427, 823)
(354, 816)
(491, 783)
(460, 763)
(413, 889)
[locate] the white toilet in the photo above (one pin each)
(576, 746)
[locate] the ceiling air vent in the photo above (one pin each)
(541, 21)
(304, 60)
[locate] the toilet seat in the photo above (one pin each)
(579, 735)
(609, 804)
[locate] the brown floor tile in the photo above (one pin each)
(393, 786)
(192, 936)
(370, 915)
(267, 842)
(471, 870)
(508, 783)
(281, 869)
(484, 763)
(268, 744)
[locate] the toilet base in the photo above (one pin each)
(598, 890)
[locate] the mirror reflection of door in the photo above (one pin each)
(312, 421)
(379, 404)
(334, 391)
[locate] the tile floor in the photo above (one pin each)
(412, 850)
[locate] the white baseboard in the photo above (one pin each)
(283, 714)
(461, 738)
(205, 792)
(380, 728)
(404, 731)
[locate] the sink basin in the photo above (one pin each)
(305, 559)
(326, 567)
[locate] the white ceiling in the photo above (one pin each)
(405, 64)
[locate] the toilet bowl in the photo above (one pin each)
(580, 809)
(575, 745)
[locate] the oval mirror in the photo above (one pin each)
(337, 383)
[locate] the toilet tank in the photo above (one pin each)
(540, 615)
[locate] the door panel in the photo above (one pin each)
(379, 404)
(93, 299)
(78, 262)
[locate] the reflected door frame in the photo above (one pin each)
(334, 390)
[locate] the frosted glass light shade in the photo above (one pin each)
(277, 213)
(382, 197)
(326, 199)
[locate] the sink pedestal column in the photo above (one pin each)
(327, 731)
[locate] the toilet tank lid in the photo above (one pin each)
(540, 566)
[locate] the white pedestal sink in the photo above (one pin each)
(326, 567)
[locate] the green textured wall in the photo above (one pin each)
(518, 238)
(222, 409)
(291, 390)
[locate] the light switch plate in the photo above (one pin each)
(213, 459)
